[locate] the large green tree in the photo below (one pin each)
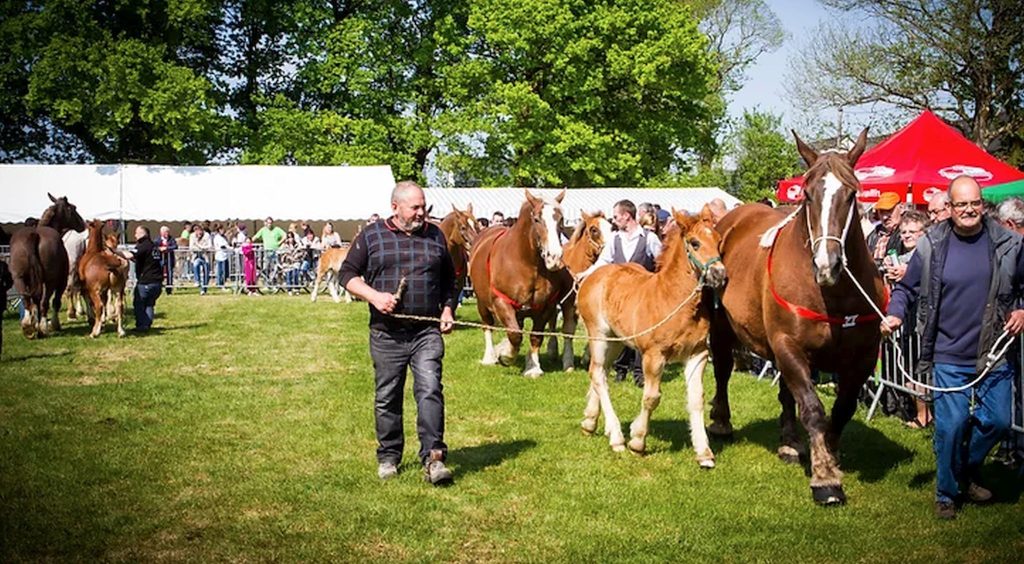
(574, 93)
(961, 58)
(764, 156)
(124, 81)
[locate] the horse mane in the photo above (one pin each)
(94, 244)
(577, 232)
(675, 244)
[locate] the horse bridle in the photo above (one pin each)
(815, 241)
(701, 267)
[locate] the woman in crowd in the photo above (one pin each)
(201, 246)
(289, 261)
(328, 237)
(221, 255)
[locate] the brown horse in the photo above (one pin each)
(791, 299)
(329, 268)
(517, 272)
(39, 266)
(460, 229)
(103, 275)
(578, 253)
(664, 311)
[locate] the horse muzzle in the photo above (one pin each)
(827, 277)
(553, 261)
(715, 276)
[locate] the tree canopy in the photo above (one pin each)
(961, 58)
(525, 92)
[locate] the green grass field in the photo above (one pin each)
(241, 429)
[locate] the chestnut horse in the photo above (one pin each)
(517, 272)
(460, 229)
(663, 309)
(39, 266)
(102, 275)
(6, 283)
(329, 267)
(790, 299)
(584, 246)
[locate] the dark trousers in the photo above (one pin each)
(144, 303)
(629, 361)
(393, 353)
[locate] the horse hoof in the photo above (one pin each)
(639, 446)
(828, 495)
(722, 430)
(489, 361)
(506, 360)
(588, 426)
(533, 373)
(619, 447)
(789, 455)
(706, 464)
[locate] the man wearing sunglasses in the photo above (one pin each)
(966, 275)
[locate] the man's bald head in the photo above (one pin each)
(964, 187)
(718, 209)
(404, 190)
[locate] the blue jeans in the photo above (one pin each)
(393, 353)
(222, 272)
(291, 278)
(201, 268)
(962, 440)
(144, 302)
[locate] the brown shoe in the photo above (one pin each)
(945, 510)
(978, 494)
(435, 472)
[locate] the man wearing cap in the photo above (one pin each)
(883, 239)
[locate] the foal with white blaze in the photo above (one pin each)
(663, 313)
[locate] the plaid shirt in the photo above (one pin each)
(383, 254)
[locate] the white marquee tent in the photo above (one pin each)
(486, 201)
(167, 193)
(172, 193)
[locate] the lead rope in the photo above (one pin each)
(997, 351)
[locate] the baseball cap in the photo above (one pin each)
(663, 216)
(887, 201)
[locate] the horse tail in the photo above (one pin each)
(34, 275)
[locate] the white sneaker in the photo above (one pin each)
(387, 470)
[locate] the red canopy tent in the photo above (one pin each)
(921, 159)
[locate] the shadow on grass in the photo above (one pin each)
(476, 458)
(53, 354)
(863, 449)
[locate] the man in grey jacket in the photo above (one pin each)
(966, 276)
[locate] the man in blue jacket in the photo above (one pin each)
(967, 274)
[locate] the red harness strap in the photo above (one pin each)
(505, 297)
(845, 321)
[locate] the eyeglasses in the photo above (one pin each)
(910, 231)
(960, 206)
(933, 213)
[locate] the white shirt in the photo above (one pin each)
(629, 243)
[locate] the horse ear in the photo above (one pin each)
(430, 209)
(858, 148)
(530, 197)
(808, 154)
(52, 199)
(469, 209)
(455, 209)
(560, 196)
(707, 216)
(584, 216)
(683, 219)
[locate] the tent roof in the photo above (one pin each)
(1005, 191)
(139, 192)
(486, 201)
(921, 158)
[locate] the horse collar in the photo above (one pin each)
(505, 297)
(845, 322)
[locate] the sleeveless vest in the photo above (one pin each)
(640, 254)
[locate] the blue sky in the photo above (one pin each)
(764, 85)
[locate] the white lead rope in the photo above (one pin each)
(997, 351)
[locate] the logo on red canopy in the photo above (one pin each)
(975, 172)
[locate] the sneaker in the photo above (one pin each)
(620, 374)
(387, 470)
(978, 494)
(945, 510)
(435, 472)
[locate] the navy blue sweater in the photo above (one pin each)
(966, 278)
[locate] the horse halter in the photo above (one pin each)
(825, 237)
(701, 267)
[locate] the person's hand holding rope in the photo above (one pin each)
(890, 324)
(1015, 323)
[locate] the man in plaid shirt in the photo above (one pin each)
(401, 265)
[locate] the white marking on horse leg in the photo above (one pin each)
(597, 370)
(695, 406)
(824, 467)
(333, 282)
(506, 352)
(651, 398)
(119, 312)
(490, 355)
(532, 368)
(316, 288)
(612, 425)
(832, 186)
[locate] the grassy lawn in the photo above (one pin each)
(242, 429)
